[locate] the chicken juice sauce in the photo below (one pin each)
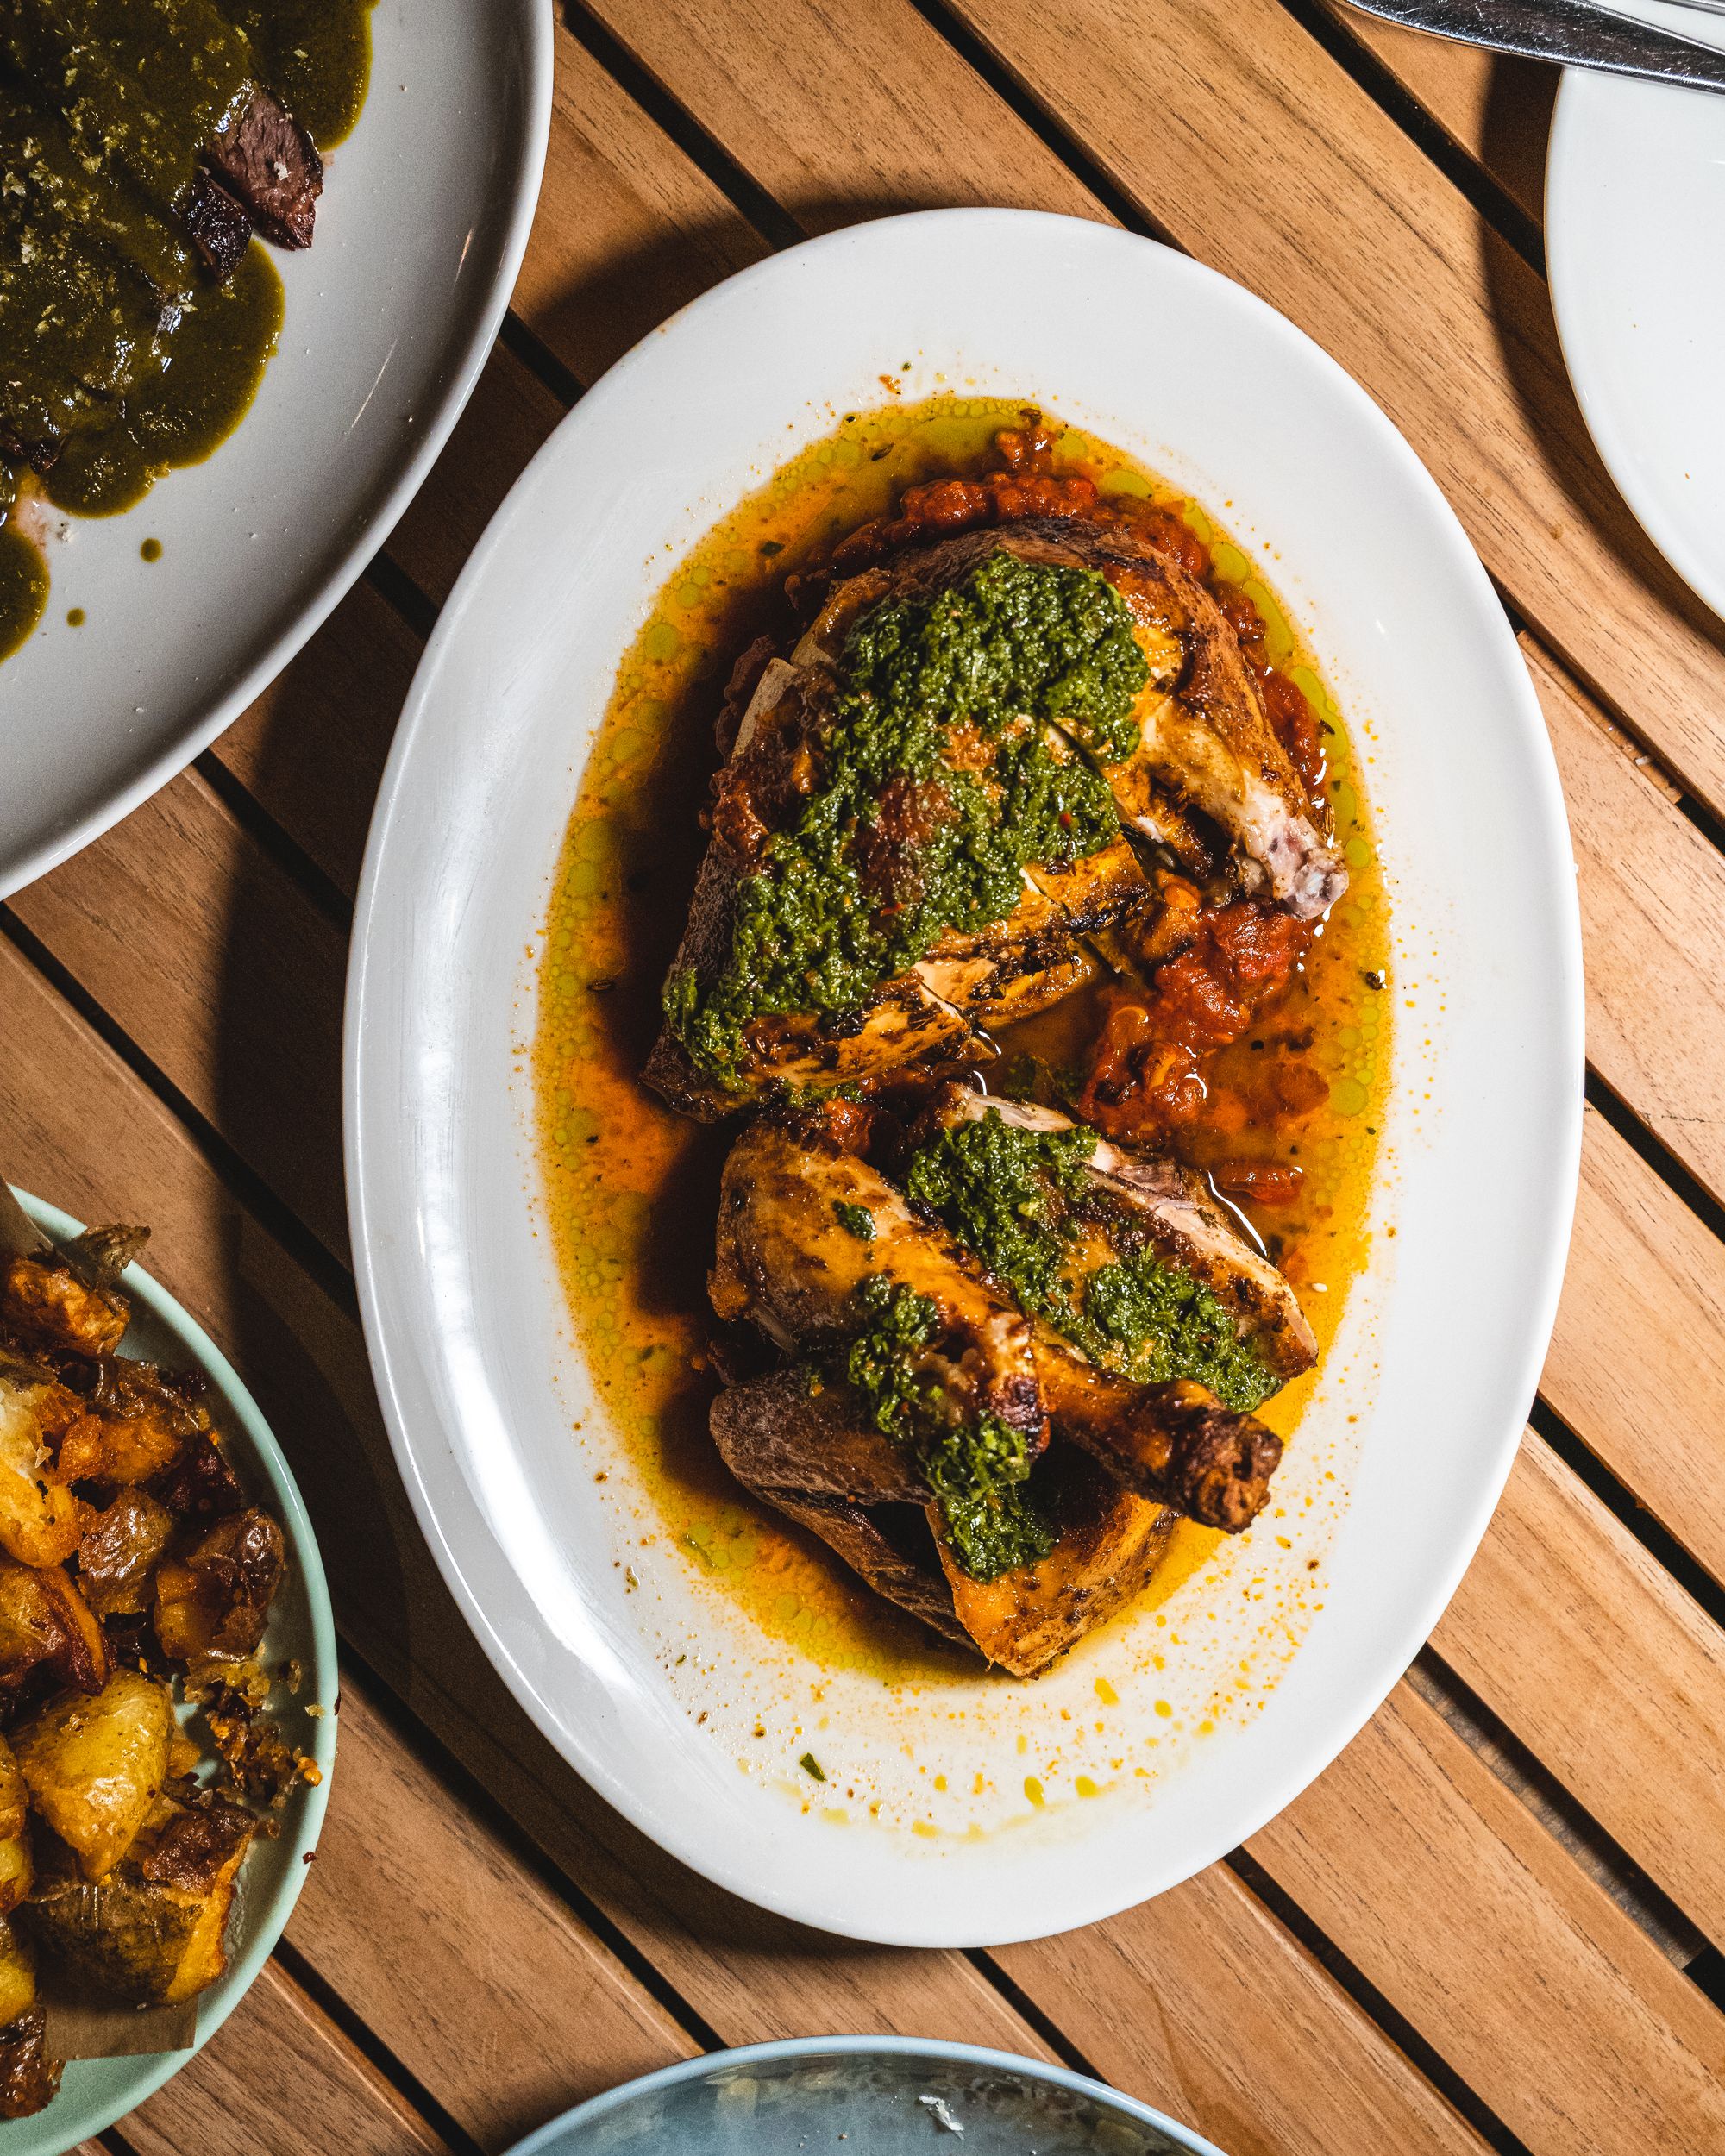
(632, 1188)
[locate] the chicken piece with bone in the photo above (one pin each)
(926, 1384)
(922, 829)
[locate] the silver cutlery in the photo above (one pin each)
(1572, 33)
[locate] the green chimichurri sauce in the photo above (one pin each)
(121, 355)
(178, 415)
(1012, 650)
(1022, 1200)
(975, 1464)
(316, 55)
(23, 590)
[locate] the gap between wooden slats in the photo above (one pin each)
(1497, 109)
(278, 2070)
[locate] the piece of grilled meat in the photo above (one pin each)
(1199, 779)
(1179, 1218)
(810, 1455)
(791, 1256)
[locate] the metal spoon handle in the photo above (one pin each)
(1572, 33)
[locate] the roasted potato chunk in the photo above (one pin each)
(16, 1869)
(44, 1618)
(29, 2079)
(152, 1931)
(39, 1520)
(217, 1601)
(45, 1297)
(17, 1974)
(118, 1556)
(95, 1767)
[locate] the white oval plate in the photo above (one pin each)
(391, 314)
(1635, 251)
(480, 1378)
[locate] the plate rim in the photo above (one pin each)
(1565, 148)
(313, 1798)
(539, 23)
(1546, 807)
(545, 2139)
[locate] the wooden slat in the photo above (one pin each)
(1472, 1921)
(1598, 1661)
(311, 748)
(1232, 129)
(749, 1976)
(1637, 1361)
(511, 414)
(627, 229)
(277, 2074)
(478, 1979)
(1652, 911)
(216, 964)
(1496, 108)
(1256, 2047)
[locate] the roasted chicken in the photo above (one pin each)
(957, 1423)
(978, 771)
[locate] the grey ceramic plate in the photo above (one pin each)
(391, 315)
(863, 2095)
(96, 2091)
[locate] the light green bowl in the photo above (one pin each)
(98, 2091)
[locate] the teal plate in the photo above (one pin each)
(863, 2095)
(98, 2091)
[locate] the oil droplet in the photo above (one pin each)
(74, 617)
(1033, 1790)
(925, 1827)
(151, 550)
(1106, 1693)
(1086, 1787)
(1163, 1710)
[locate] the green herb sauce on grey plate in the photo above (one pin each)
(141, 143)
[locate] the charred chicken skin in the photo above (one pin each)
(995, 1425)
(986, 763)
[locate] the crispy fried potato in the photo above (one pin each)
(119, 1449)
(29, 2079)
(17, 1974)
(118, 1556)
(40, 1519)
(153, 1931)
(45, 1297)
(44, 1618)
(136, 1422)
(217, 1601)
(16, 1870)
(95, 1767)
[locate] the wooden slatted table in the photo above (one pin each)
(1495, 1922)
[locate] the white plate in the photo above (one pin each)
(466, 1318)
(390, 315)
(1636, 250)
